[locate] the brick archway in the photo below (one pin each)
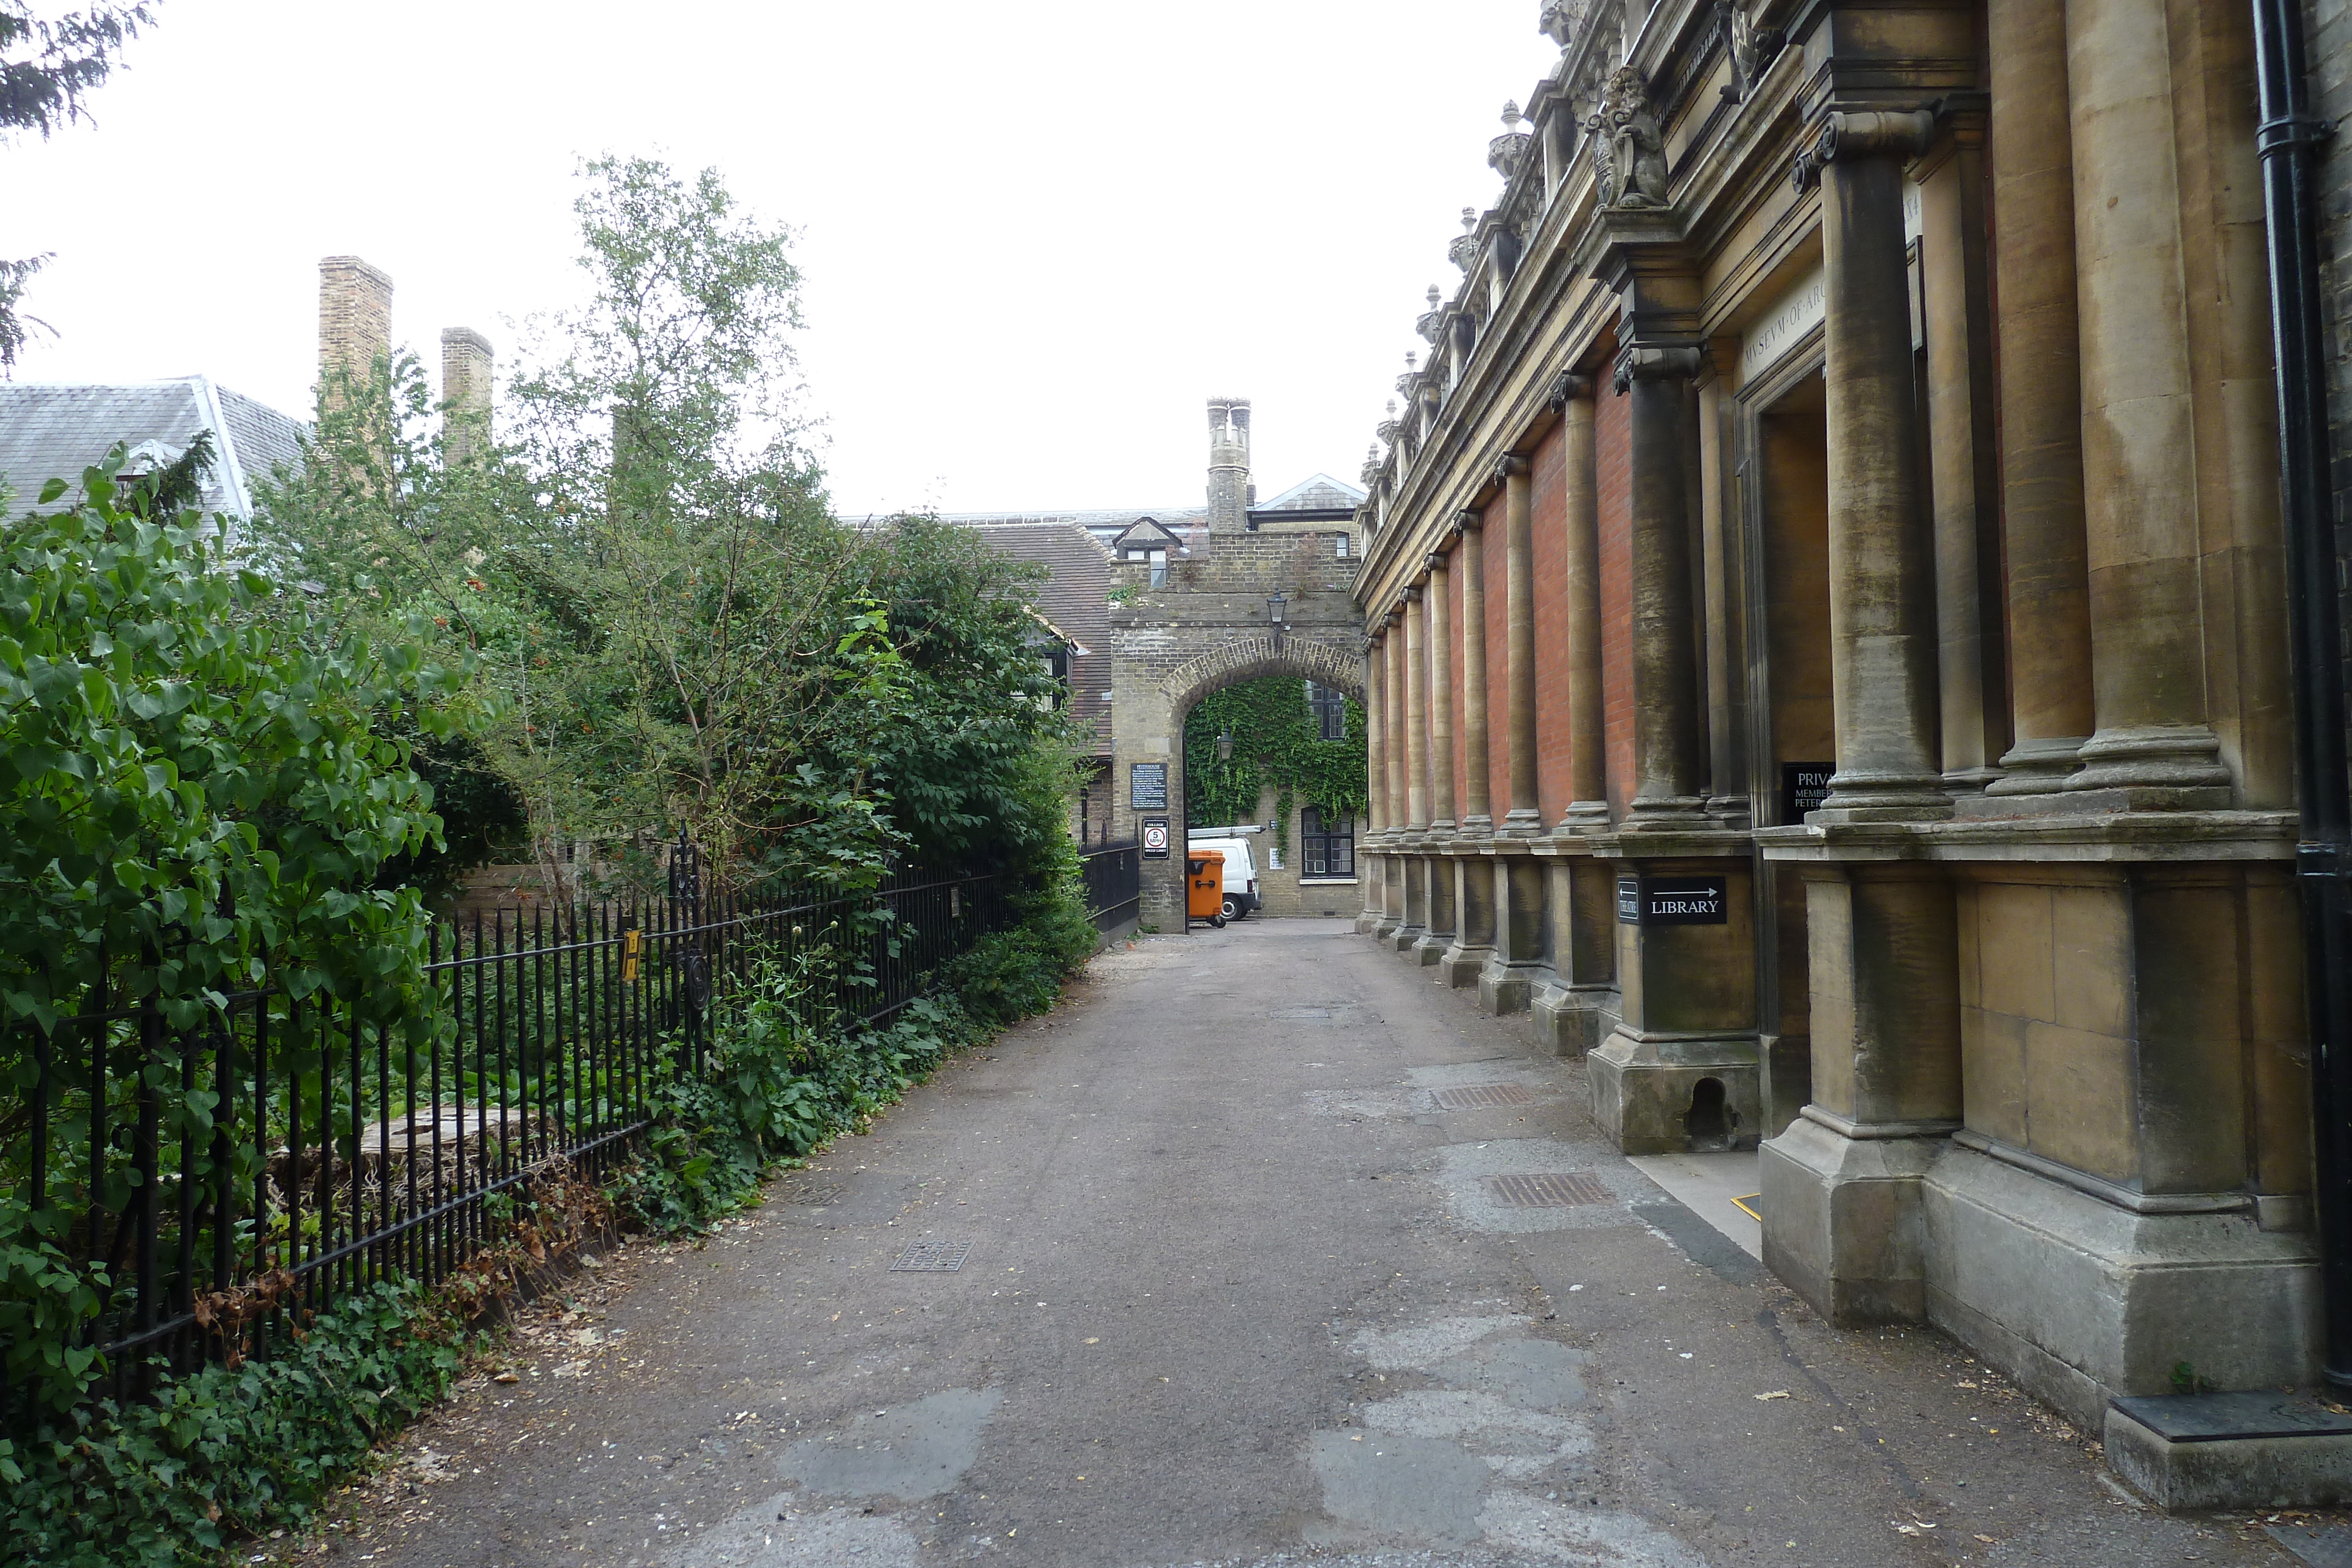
(1248, 658)
(1205, 625)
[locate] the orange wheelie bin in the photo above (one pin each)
(1204, 887)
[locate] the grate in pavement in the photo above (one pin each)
(818, 1195)
(1480, 1096)
(931, 1258)
(1561, 1190)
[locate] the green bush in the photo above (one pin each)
(229, 1450)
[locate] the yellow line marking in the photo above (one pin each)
(1741, 1203)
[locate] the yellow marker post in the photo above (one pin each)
(629, 941)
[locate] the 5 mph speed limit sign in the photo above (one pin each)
(1155, 838)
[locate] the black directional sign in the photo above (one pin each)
(1672, 901)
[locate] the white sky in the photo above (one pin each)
(1036, 234)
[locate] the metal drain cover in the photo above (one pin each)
(1562, 1189)
(1480, 1096)
(931, 1258)
(818, 1195)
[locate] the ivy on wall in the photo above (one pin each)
(1276, 743)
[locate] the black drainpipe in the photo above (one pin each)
(2324, 851)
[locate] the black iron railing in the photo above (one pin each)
(280, 1154)
(1114, 879)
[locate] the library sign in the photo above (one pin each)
(1672, 900)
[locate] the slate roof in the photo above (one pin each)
(1319, 493)
(1075, 598)
(55, 430)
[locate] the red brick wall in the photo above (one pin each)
(1549, 501)
(1495, 539)
(1612, 444)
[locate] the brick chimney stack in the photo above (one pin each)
(465, 394)
(354, 318)
(1229, 465)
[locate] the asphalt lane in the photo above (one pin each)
(1272, 1250)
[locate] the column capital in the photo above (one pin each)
(1510, 467)
(1848, 134)
(1411, 595)
(1640, 362)
(1569, 387)
(1469, 520)
(1434, 561)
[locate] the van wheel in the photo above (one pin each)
(1218, 921)
(1234, 910)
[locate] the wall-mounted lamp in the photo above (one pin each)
(1274, 609)
(1226, 744)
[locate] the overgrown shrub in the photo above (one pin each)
(228, 1450)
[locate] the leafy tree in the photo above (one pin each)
(48, 68)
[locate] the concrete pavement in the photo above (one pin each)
(1272, 1250)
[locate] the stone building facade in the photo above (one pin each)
(1829, 657)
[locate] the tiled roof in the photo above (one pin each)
(1075, 597)
(53, 431)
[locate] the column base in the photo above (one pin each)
(1585, 817)
(1570, 1020)
(2081, 1301)
(2038, 767)
(1842, 1220)
(2162, 767)
(1430, 947)
(1649, 1094)
(1505, 987)
(1963, 782)
(1521, 824)
(1402, 937)
(1461, 966)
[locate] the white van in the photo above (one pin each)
(1240, 869)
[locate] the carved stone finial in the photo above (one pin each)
(1434, 296)
(1629, 152)
(1412, 361)
(1433, 321)
(1505, 152)
(1371, 472)
(1463, 249)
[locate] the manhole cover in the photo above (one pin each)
(818, 1195)
(1478, 1096)
(931, 1258)
(1550, 1190)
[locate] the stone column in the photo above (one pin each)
(1416, 717)
(1588, 762)
(1369, 859)
(1667, 714)
(1963, 472)
(2041, 397)
(1519, 645)
(1882, 547)
(2154, 746)
(1441, 697)
(1397, 866)
(1477, 817)
(1393, 686)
